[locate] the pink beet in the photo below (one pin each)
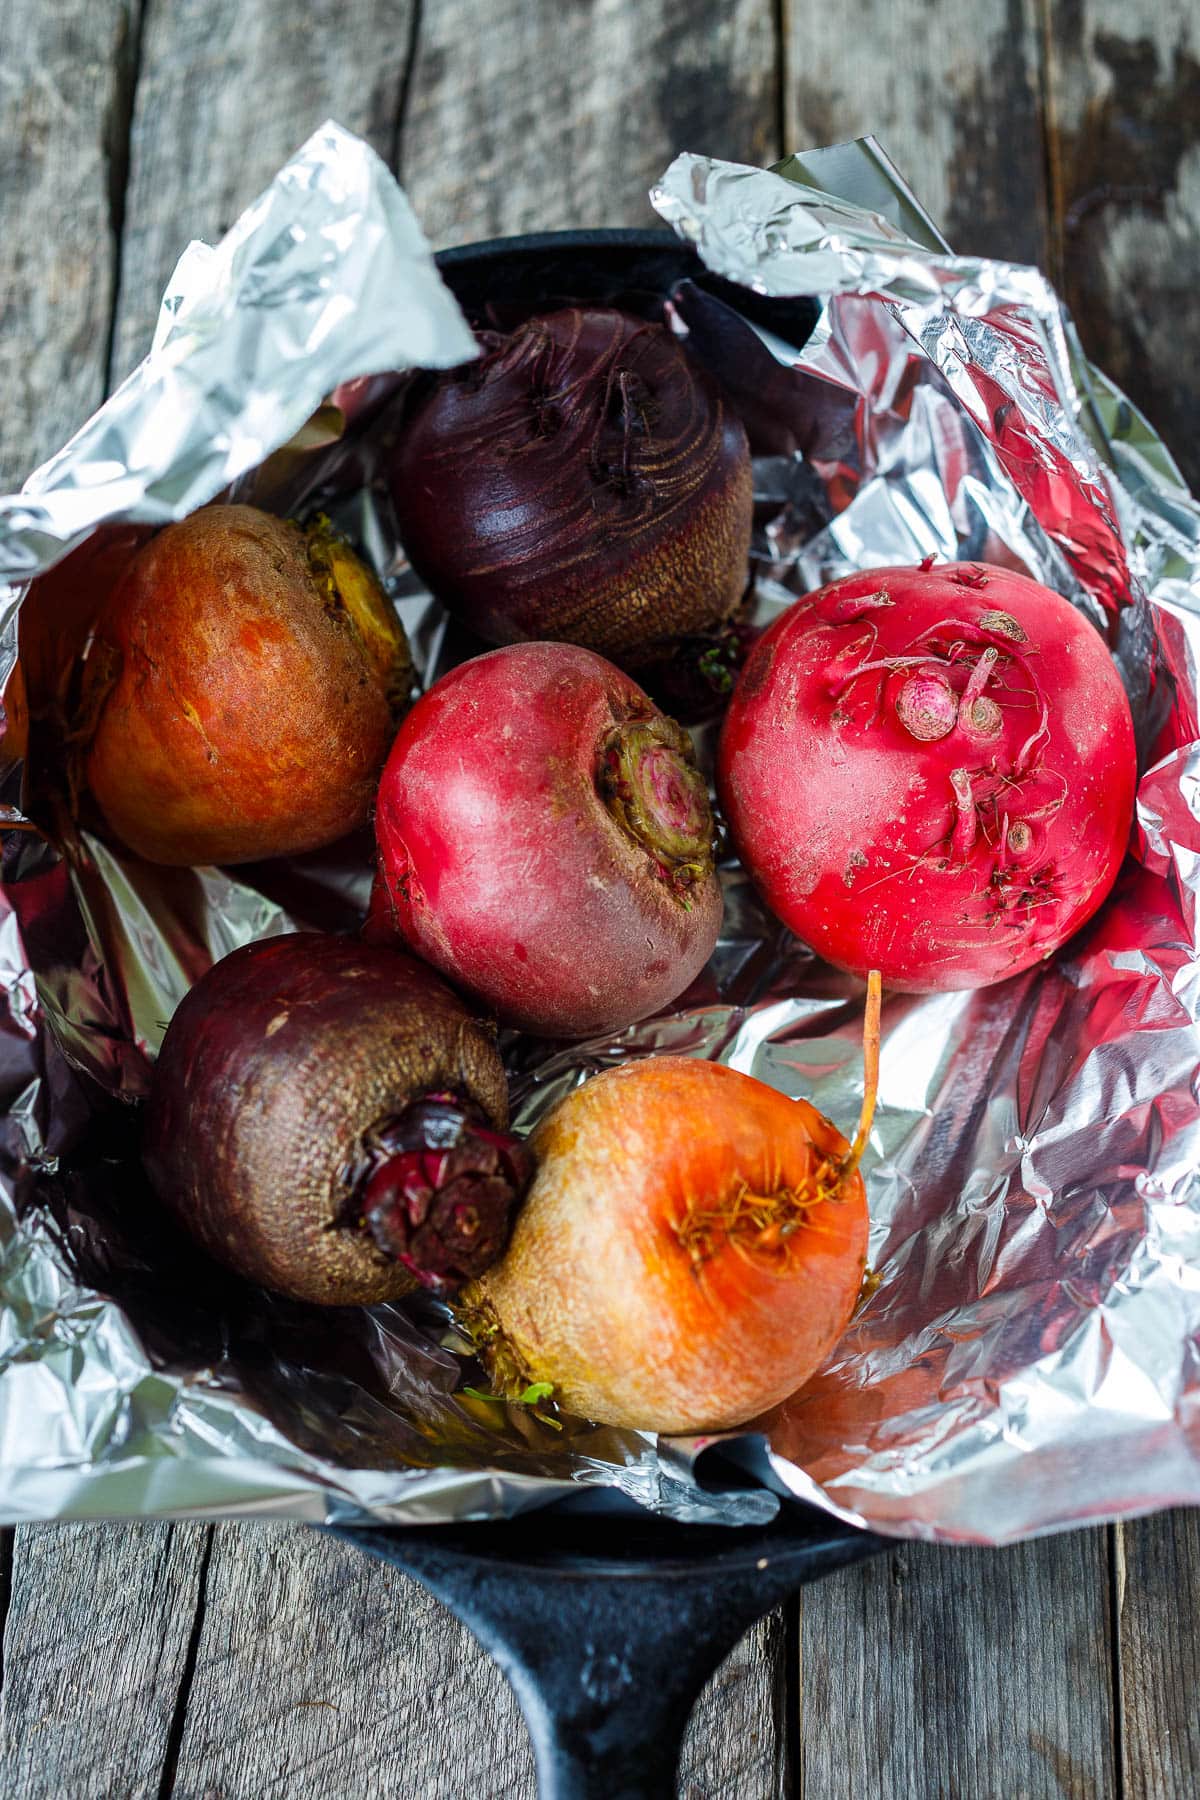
(546, 841)
(930, 772)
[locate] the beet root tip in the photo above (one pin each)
(442, 1191)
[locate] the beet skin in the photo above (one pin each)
(691, 1249)
(930, 771)
(284, 1101)
(241, 691)
(546, 841)
(583, 480)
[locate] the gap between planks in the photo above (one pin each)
(7, 1560)
(405, 88)
(166, 1785)
(117, 147)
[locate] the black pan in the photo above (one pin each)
(501, 282)
(608, 1626)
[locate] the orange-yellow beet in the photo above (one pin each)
(244, 680)
(691, 1249)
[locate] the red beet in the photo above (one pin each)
(546, 841)
(930, 772)
(328, 1119)
(583, 480)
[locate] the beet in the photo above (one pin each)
(329, 1120)
(930, 771)
(241, 691)
(546, 841)
(584, 481)
(692, 1247)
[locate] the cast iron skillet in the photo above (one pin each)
(608, 1626)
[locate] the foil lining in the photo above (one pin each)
(1029, 1360)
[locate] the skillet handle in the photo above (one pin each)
(607, 1663)
(608, 1651)
(607, 1671)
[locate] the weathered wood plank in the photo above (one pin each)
(1158, 1594)
(951, 93)
(95, 1649)
(1123, 89)
(94, 1620)
(984, 1674)
(543, 115)
(320, 1670)
(736, 1747)
(64, 74)
(226, 92)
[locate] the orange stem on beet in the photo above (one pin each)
(866, 1117)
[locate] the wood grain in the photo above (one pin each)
(561, 113)
(1123, 86)
(952, 94)
(983, 1674)
(64, 72)
(1159, 1634)
(319, 1670)
(95, 1648)
(226, 91)
(736, 1747)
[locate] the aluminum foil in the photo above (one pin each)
(1029, 1360)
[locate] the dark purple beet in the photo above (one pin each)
(584, 481)
(693, 683)
(328, 1119)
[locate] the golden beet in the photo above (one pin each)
(691, 1248)
(241, 691)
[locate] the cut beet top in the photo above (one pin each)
(931, 772)
(328, 1119)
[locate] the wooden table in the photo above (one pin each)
(235, 1661)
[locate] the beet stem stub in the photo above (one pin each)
(442, 1190)
(652, 787)
(766, 1225)
(351, 589)
(927, 707)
